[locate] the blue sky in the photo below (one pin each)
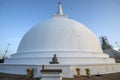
(18, 16)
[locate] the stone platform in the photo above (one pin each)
(67, 70)
(112, 76)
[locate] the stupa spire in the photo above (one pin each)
(60, 11)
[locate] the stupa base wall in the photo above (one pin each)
(61, 60)
(67, 70)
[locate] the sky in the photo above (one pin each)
(18, 16)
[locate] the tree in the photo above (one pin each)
(104, 43)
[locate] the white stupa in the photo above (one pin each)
(71, 41)
(60, 43)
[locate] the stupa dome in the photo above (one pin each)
(59, 34)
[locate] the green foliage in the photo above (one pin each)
(104, 43)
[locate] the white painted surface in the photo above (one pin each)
(62, 60)
(59, 34)
(51, 76)
(67, 70)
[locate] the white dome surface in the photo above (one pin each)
(59, 34)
